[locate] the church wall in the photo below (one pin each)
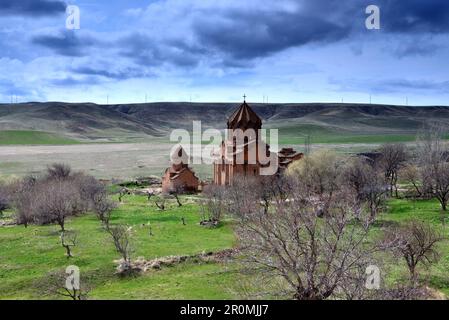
(186, 179)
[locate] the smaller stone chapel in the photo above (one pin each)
(179, 177)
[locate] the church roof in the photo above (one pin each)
(244, 117)
(179, 155)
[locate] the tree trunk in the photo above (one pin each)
(413, 275)
(179, 202)
(69, 252)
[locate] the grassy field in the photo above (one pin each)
(288, 135)
(17, 137)
(436, 276)
(28, 255)
(296, 134)
(339, 138)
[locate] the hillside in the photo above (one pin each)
(128, 122)
(81, 121)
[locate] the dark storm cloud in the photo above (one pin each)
(32, 7)
(247, 35)
(71, 81)
(124, 74)
(65, 43)
(146, 51)
(415, 16)
(235, 36)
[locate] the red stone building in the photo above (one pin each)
(239, 154)
(179, 177)
(287, 156)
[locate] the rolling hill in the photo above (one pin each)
(139, 122)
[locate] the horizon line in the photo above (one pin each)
(228, 102)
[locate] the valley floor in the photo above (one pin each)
(117, 160)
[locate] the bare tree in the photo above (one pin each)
(314, 256)
(269, 189)
(121, 236)
(412, 174)
(239, 199)
(433, 157)
(25, 201)
(176, 192)
(90, 189)
(393, 158)
(56, 201)
(68, 240)
(56, 196)
(212, 205)
(103, 208)
(55, 283)
(366, 183)
(320, 174)
(415, 242)
(160, 203)
(123, 192)
(4, 199)
(58, 171)
(439, 179)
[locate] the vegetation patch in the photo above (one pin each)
(18, 137)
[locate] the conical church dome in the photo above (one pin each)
(244, 118)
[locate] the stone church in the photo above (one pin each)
(240, 156)
(179, 177)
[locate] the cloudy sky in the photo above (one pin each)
(204, 50)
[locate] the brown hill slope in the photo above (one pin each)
(92, 121)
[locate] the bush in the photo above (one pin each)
(4, 199)
(59, 194)
(213, 205)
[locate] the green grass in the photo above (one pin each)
(428, 211)
(387, 138)
(16, 137)
(295, 134)
(319, 134)
(28, 254)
